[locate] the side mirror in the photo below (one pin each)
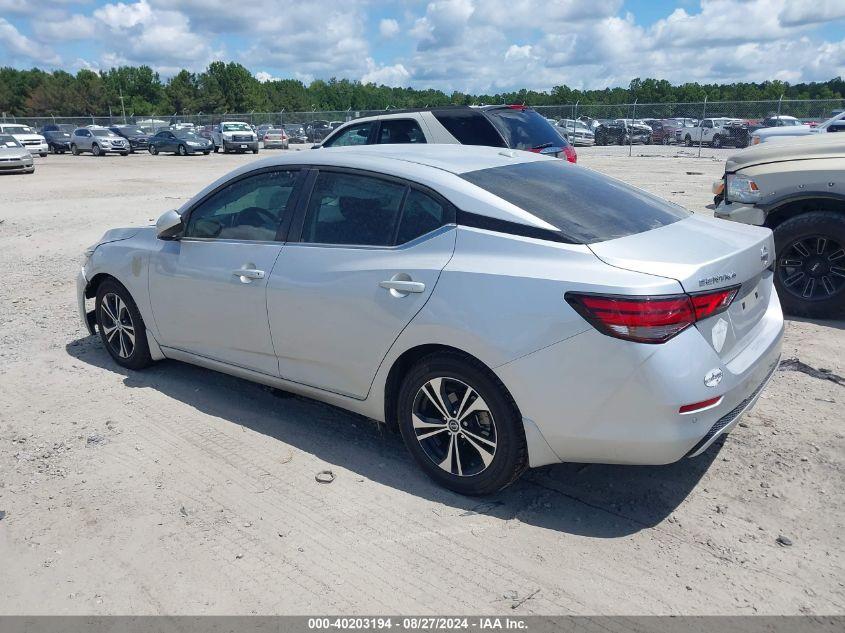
(168, 225)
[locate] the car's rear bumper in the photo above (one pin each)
(275, 144)
(595, 398)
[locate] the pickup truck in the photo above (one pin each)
(234, 136)
(717, 132)
(797, 189)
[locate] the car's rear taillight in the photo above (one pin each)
(570, 153)
(648, 319)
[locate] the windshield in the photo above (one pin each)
(236, 127)
(102, 133)
(18, 129)
(583, 205)
(128, 129)
(55, 133)
(525, 129)
(7, 140)
(187, 136)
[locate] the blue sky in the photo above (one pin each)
(469, 45)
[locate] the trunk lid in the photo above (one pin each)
(705, 254)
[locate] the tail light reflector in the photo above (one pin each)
(648, 319)
(700, 406)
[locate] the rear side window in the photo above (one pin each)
(584, 206)
(353, 135)
(422, 214)
(469, 128)
(525, 129)
(400, 131)
(352, 209)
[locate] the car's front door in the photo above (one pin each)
(363, 263)
(208, 288)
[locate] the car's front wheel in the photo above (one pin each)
(688, 140)
(74, 150)
(121, 326)
(152, 149)
(181, 150)
(810, 273)
(461, 425)
(717, 141)
(95, 149)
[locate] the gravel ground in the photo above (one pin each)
(178, 490)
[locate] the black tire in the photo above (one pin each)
(255, 151)
(648, 140)
(666, 140)
(688, 140)
(216, 149)
(74, 150)
(152, 149)
(181, 150)
(124, 153)
(501, 422)
(717, 141)
(206, 153)
(118, 342)
(808, 229)
(95, 149)
(52, 149)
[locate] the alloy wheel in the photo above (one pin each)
(813, 268)
(454, 426)
(117, 325)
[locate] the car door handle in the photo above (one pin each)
(403, 286)
(248, 274)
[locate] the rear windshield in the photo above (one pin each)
(525, 129)
(469, 128)
(583, 205)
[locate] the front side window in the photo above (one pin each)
(400, 131)
(352, 209)
(584, 206)
(353, 135)
(251, 208)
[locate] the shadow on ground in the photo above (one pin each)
(594, 500)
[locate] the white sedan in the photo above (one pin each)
(503, 308)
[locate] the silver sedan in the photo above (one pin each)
(504, 309)
(14, 157)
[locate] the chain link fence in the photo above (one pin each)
(745, 115)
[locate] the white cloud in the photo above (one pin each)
(18, 46)
(265, 77)
(803, 12)
(388, 28)
(518, 52)
(76, 27)
(395, 75)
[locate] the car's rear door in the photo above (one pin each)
(364, 256)
(209, 288)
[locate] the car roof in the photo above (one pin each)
(433, 165)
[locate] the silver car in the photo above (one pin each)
(445, 289)
(14, 157)
(97, 140)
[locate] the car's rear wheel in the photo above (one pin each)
(181, 150)
(810, 268)
(121, 326)
(460, 424)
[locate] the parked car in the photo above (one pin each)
(137, 138)
(473, 307)
(335, 124)
(317, 131)
(620, 132)
(14, 157)
(576, 132)
(26, 136)
(234, 136)
(275, 137)
(664, 132)
(97, 140)
(296, 133)
(833, 124)
(514, 127)
(797, 189)
(718, 132)
(58, 141)
(182, 142)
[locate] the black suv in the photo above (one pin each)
(138, 139)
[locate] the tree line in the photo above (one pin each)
(230, 87)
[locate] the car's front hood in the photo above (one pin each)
(787, 130)
(115, 235)
(802, 148)
(28, 137)
(14, 152)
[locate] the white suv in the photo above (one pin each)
(511, 126)
(26, 136)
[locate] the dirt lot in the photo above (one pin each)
(178, 490)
